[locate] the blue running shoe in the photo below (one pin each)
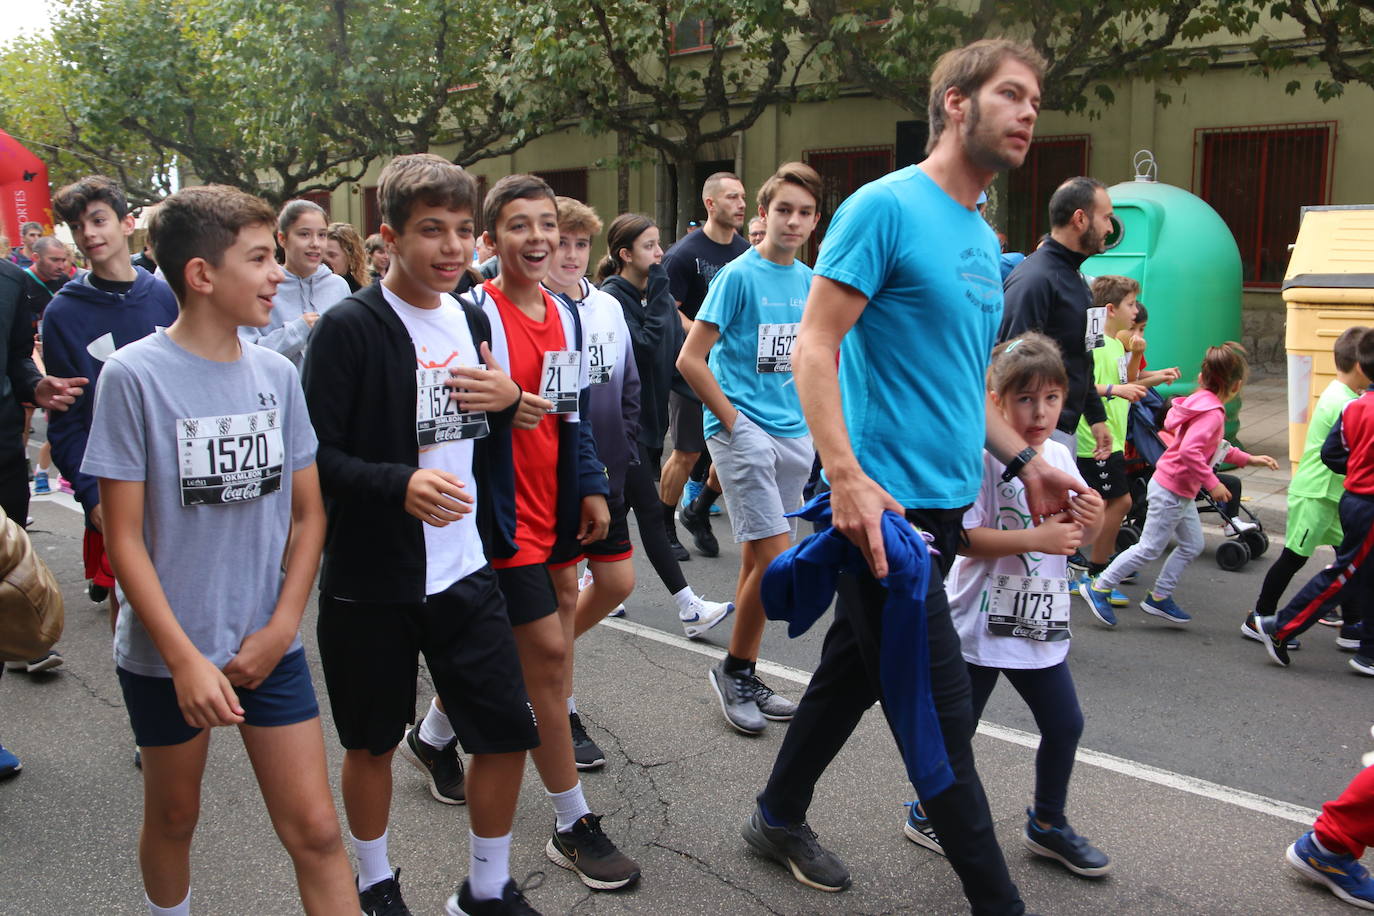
(1115, 599)
(1166, 608)
(9, 764)
(690, 491)
(1343, 875)
(1099, 601)
(918, 830)
(41, 487)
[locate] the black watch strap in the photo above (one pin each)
(1017, 463)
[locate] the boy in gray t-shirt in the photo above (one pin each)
(214, 526)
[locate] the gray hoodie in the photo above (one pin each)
(287, 331)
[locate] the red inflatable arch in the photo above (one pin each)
(24, 194)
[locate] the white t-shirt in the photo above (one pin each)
(973, 585)
(442, 341)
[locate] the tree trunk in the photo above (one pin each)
(622, 172)
(686, 192)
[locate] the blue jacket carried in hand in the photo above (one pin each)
(800, 584)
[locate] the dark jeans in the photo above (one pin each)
(846, 684)
(641, 495)
(1051, 698)
(1350, 577)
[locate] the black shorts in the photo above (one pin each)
(370, 656)
(529, 593)
(285, 697)
(686, 425)
(1106, 477)
(615, 546)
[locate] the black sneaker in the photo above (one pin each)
(774, 707)
(384, 898)
(585, 849)
(97, 593)
(441, 765)
(1276, 649)
(797, 848)
(675, 547)
(1060, 843)
(587, 754)
(699, 526)
(1349, 637)
(511, 903)
(1332, 618)
(1250, 630)
(736, 692)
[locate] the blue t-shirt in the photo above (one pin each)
(757, 305)
(912, 367)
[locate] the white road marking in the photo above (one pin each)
(1144, 772)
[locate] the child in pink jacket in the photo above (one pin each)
(1185, 468)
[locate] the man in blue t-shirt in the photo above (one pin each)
(908, 278)
(738, 360)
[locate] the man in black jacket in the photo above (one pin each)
(1046, 293)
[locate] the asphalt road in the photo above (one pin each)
(1198, 703)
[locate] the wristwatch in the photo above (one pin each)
(1016, 464)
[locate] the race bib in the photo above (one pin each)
(775, 347)
(1096, 332)
(1123, 369)
(601, 356)
(230, 459)
(1029, 607)
(438, 419)
(559, 384)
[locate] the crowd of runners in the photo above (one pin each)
(451, 428)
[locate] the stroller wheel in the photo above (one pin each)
(1257, 541)
(1126, 536)
(1232, 555)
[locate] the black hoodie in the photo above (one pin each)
(657, 335)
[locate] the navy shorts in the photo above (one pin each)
(286, 697)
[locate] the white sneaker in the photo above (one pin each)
(701, 615)
(585, 582)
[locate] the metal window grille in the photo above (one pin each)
(691, 33)
(1049, 163)
(1259, 177)
(843, 171)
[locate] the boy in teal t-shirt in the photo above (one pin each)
(1315, 493)
(1110, 375)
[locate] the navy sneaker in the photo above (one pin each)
(1250, 630)
(1349, 637)
(9, 764)
(1343, 875)
(1363, 665)
(1164, 607)
(1099, 601)
(918, 830)
(1331, 618)
(1276, 648)
(1060, 843)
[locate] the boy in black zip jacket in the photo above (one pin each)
(408, 421)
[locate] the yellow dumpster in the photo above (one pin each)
(1329, 287)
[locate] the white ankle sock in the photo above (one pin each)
(568, 806)
(435, 729)
(684, 599)
(373, 864)
(1318, 843)
(488, 865)
(181, 909)
(572, 705)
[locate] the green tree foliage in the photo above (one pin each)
(279, 97)
(1340, 33)
(618, 67)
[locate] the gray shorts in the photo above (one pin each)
(762, 477)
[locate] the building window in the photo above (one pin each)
(1259, 178)
(1049, 163)
(322, 198)
(843, 171)
(691, 33)
(567, 182)
(372, 214)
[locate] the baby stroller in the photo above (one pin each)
(1146, 442)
